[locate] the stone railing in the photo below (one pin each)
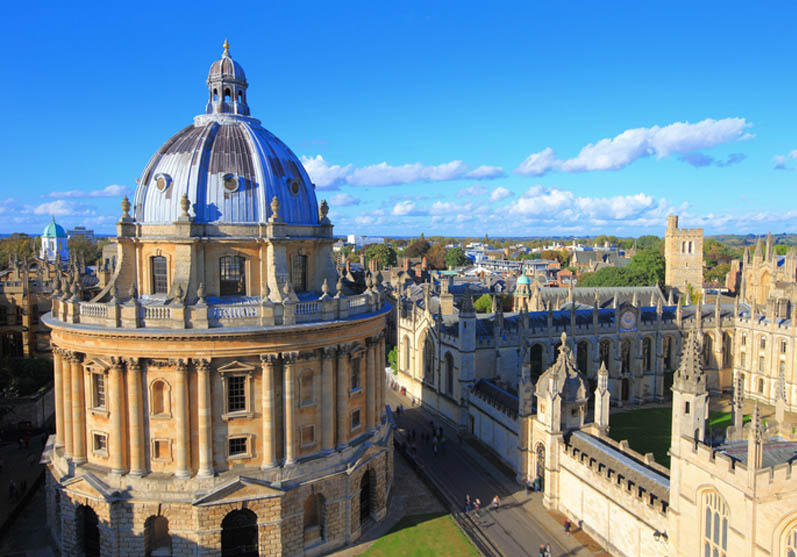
(249, 313)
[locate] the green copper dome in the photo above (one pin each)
(54, 230)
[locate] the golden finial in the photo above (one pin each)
(226, 46)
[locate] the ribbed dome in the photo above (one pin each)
(228, 165)
(53, 230)
(226, 68)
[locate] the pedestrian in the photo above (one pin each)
(541, 553)
(496, 502)
(567, 526)
(477, 505)
(547, 550)
(434, 448)
(443, 446)
(467, 503)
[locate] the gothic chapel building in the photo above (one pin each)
(221, 394)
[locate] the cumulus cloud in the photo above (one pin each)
(114, 190)
(485, 172)
(476, 190)
(343, 200)
(330, 177)
(407, 208)
(679, 138)
(62, 208)
(779, 162)
(325, 176)
(499, 194)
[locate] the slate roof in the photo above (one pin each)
(776, 451)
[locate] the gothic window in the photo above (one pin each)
(791, 544)
(668, 353)
(541, 466)
(761, 365)
(407, 366)
(449, 373)
(299, 272)
(605, 350)
(160, 275)
(625, 355)
(647, 353)
(98, 391)
(582, 356)
(707, 348)
(782, 346)
(715, 525)
(232, 276)
(354, 373)
(535, 359)
(428, 361)
(744, 339)
(763, 343)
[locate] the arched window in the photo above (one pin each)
(232, 276)
(715, 525)
(647, 353)
(407, 364)
(535, 359)
(215, 95)
(159, 398)
(605, 352)
(791, 544)
(541, 466)
(367, 495)
(160, 275)
(299, 272)
(763, 342)
(239, 97)
(625, 356)
(582, 356)
(449, 373)
(314, 519)
(708, 346)
(428, 360)
(727, 350)
(157, 541)
(239, 533)
(306, 395)
(226, 95)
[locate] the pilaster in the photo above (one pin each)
(66, 370)
(181, 418)
(370, 387)
(59, 401)
(205, 416)
(289, 375)
(268, 363)
(327, 399)
(135, 417)
(78, 410)
(342, 396)
(116, 407)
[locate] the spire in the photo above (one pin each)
(467, 303)
(689, 376)
(227, 86)
(670, 300)
(768, 252)
(758, 254)
(755, 442)
(746, 257)
(226, 47)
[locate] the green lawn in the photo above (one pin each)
(423, 535)
(647, 431)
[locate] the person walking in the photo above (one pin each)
(477, 505)
(541, 553)
(467, 503)
(496, 501)
(547, 550)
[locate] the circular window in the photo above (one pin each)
(162, 181)
(230, 182)
(294, 185)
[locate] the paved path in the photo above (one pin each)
(519, 525)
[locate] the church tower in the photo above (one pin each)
(683, 254)
(689, 393)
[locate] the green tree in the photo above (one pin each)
(384, 255)
(649, 242)
(20, 244)
(718, 272)
(782, 249)
(418, 248)
(392, 359)
(483, 304)
(615, 276)
(455, 257)
(651, 262)
(436, 256)
(81, 248)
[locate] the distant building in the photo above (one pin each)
(81, 232)
(683, 252)
(54, 245)
(362, 241)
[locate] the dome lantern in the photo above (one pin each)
(227, 86)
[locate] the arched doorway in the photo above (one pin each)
(239, 534)
(89, 531)
(314, 519)
(366, 487)
(582, 356)
(624, 384)
(540, 472)
(157, 541)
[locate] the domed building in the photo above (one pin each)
(221, 394)
(54, 243)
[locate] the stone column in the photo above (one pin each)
(268, 364)
(380, 378)
(343, 395)
(116, 408)
(289, 373)
(181, 418)
(59, 393)
(327, 400)
(78, 410)
(205, 416)
(135, 418)
(370, 387)
(66, 371)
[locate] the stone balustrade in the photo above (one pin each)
(251, 313)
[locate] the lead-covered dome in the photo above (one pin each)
(228, 165)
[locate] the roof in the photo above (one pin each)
(776, 451)
(504, 399)
(53, 230)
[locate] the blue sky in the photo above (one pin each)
(444, 118)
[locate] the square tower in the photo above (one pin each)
(683, 253)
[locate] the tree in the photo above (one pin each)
(615, 276)
(649, 242)
(782, 249)
(418, 248)
(436, 256)
(483, 304)
(384, 255)
(717, 273)
(20, 244)
(650, 262)
(81, 248)
(555, 255)
(392, 359)
(455, 257)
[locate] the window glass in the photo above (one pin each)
(236, 393)
(160, 277)
(237, 446)
(299, 273)
(99, 390)
(232, 276)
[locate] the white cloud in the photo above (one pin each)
(449, 208)
(114, 190)
(62, 208)
(407, 208)
(616, 153)
(343, 200)
(324, 175)
(499, 194)
(485, 172)
(779, 161)
(475, 190)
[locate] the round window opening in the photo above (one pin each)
(294, 187)
(230, 182)
(162, 181)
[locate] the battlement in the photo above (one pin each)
(717, 463)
